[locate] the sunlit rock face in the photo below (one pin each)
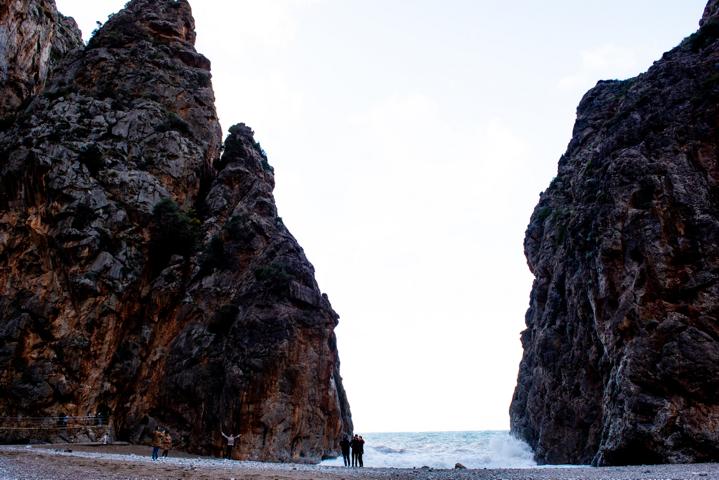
(621, 350)
(144, 271)
(34, 37)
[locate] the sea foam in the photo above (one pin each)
(487, 449)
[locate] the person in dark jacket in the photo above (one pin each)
(355, 449)
(360, 451)
(345, 446)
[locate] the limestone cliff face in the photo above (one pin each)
(143, 274)
(34, 37)
(621, 350)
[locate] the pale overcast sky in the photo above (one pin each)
(410, 140)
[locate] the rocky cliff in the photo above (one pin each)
(621, 350)
(34, 37)
(144, 271)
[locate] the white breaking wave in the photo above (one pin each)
(444, 449)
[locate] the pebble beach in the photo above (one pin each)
(133, 462)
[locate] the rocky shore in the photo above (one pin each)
(133, 462)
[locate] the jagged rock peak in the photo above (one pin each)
(711, 11)
(154, 20)
(241, 133)
(39, 38)
(242, 130)
(143, 60)
(240, 145)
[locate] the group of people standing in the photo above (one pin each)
(161, 439)
(356, 446)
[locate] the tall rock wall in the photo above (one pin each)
(621, 350)
(146, 275)
(34, 37)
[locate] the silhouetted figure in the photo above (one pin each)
(360, 451)
(355, 449)
(345, 446)
(230, 444)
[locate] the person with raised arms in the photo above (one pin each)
(230, 444)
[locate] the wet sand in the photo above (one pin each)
(133, 462)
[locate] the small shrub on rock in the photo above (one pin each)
(174, 232)
(215, 256)
(543, 213)
(275, 276)
(91, 157)
(707, 34)
(239, 229)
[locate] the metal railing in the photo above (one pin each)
(62, 423)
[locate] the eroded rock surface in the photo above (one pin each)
(34, 37)
(143, 275)
(621, 350)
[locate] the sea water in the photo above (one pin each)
(487, 449)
